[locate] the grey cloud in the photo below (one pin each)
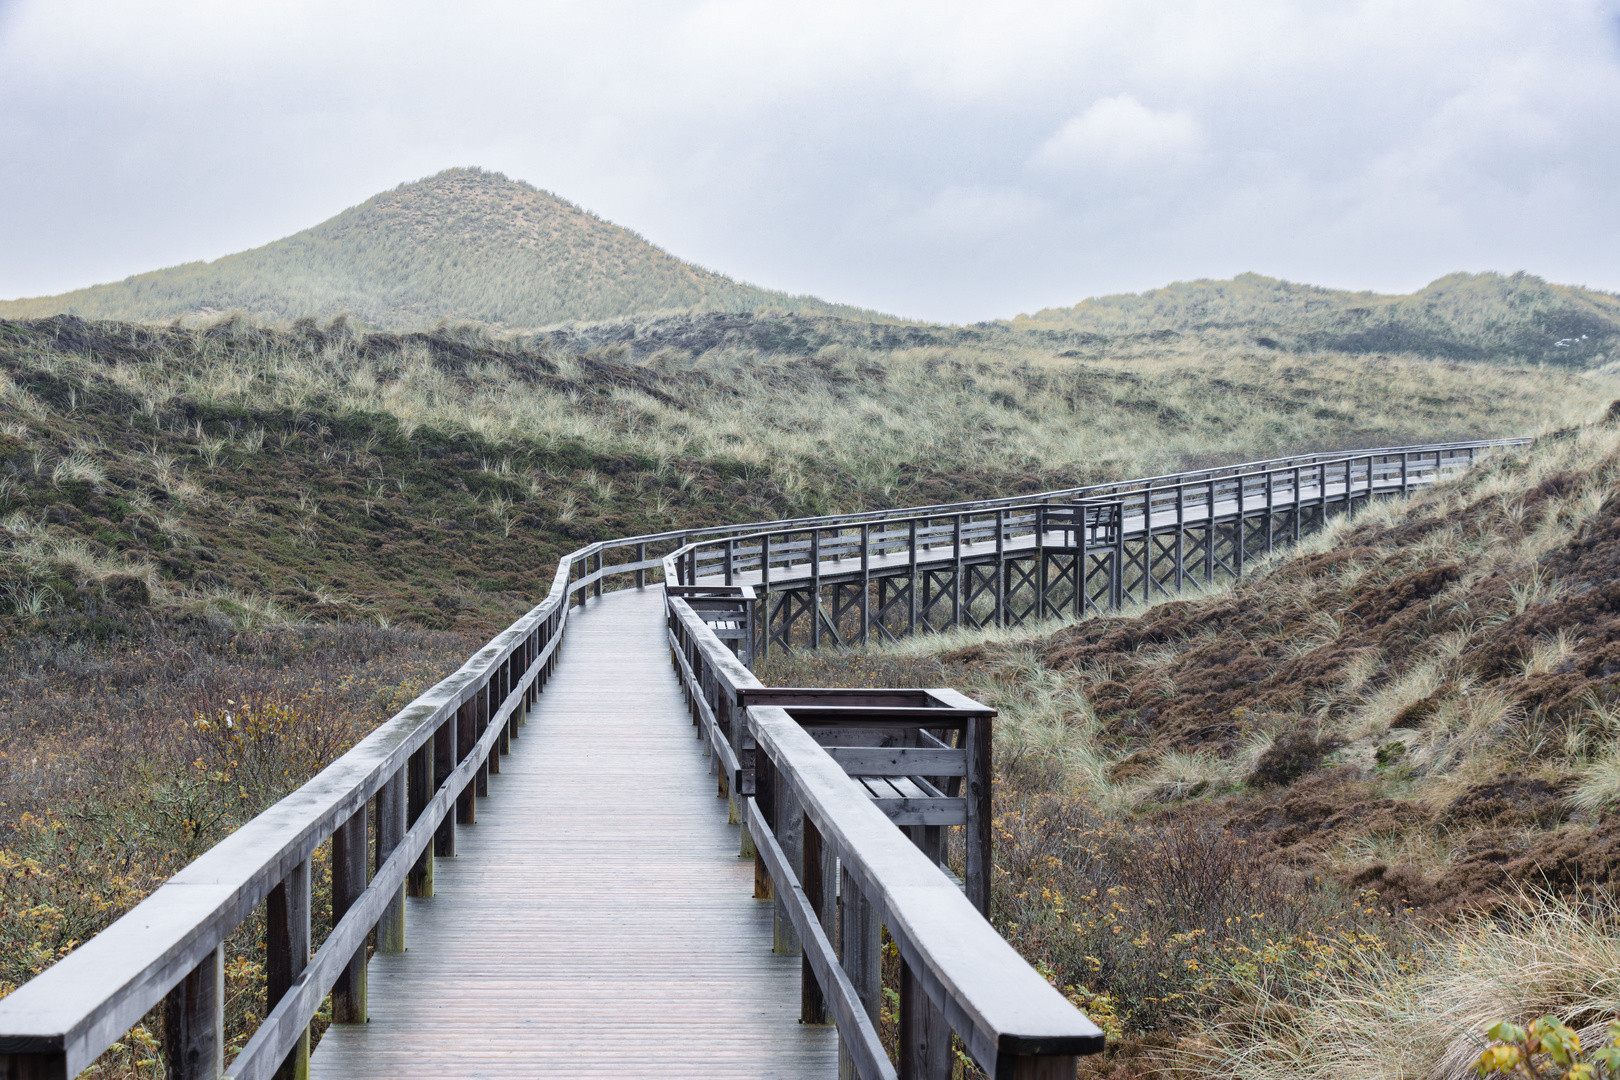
(955, 163)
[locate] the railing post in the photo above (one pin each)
(641, 572)
(485, 707)
(789, 831)
(1181, 538)
(466, 731)
(596, 586)
(858, 949)
(764, 600)
(976, 835)
(512, 675)
(348, 883)
(815, 588)
(731, 559)
(816, 880)
(444, 763)
(287, 955)
(194, 1022)
(1209, 534)
(866, 581)
(1044, 1068)
(925, 1036)
(1001, 566)
(1241, 544)
(1040, 561)
(390, 834)
(956, 574)
(418, 792)
(911, 592)
(1298, 498)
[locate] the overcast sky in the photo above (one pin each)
(950, 161)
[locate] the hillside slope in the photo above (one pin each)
(1336, 817)
(464, 244)
(1517, 317)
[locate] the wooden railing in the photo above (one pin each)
(416, 775)
(844, 796)
(781, 549)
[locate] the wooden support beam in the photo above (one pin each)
(812, 1001)
(287, 955)
(348, 882)
(419, 791)
(194, 1022)
(444, 763)
(466, 734)
(976, 835)
(391, 826)
(860, 955)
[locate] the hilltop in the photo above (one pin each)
(1517, 318)
(468, 245)
(462, 245)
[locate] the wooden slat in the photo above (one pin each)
(899, 761)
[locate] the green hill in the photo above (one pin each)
(465, 244)
(1516, 317)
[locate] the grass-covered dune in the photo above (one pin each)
(434, 478)
(1517, 318)
(1333, 819)
(229, 550)
(462, 244)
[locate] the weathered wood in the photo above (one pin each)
(991, 998)
(391, 826)
(977, 834)
(194, 1022)
(860, 954)
(348, 882)
(787, 825)
(925, 1037)
(419, 789)
(287, 916)
(466, 734)
(547, 951)
(860, 1051)
(445, 761)
(818, 868)
(899, 761)
(33, 1067)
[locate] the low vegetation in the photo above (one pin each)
(229, 550)
(1517, 318)
(1335, 818)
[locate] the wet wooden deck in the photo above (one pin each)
(596, 921)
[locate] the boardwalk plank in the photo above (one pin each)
(596, 921)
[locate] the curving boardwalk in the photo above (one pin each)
(596, 921)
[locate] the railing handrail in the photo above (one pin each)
(698, 540)
(135, 961)
(945, 509)
(988, 994)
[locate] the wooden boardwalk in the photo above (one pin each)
(596, 921)
(943, 553)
